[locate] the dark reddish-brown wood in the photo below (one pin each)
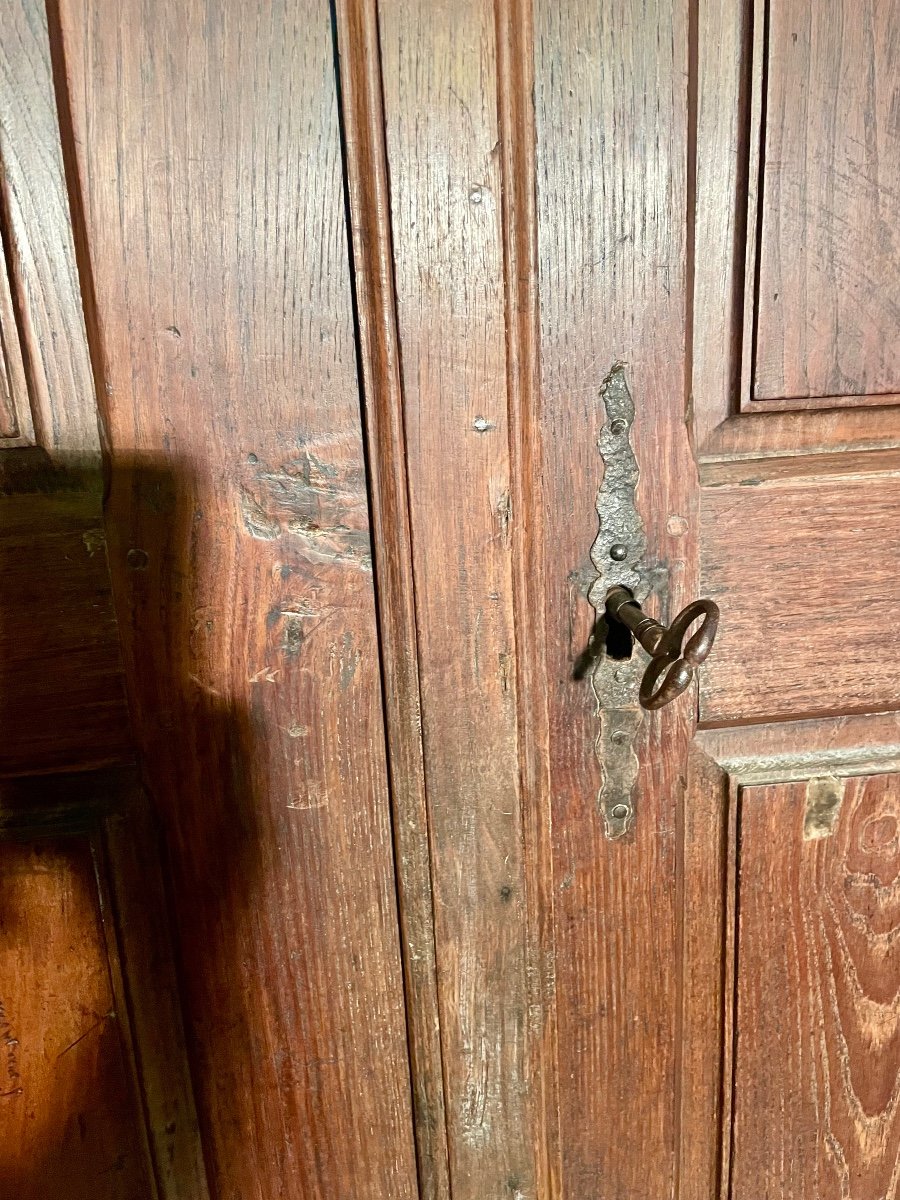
(730, 89)
(61, 698)
(139, 937)
(611, 114)
(481, 208)
(818, 992)
(101, 834)
(516, 121)
(210, 174)
(372, 249)
(62, 704)
(70, 1122)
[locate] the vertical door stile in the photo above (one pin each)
(515, 91)
(445, 156)
(611, 108)
(362, 106)
(208, 156)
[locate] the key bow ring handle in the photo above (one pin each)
(671, 657)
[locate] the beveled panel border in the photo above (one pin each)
(727, 423)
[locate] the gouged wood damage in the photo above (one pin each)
(823, 806)
(314, 496)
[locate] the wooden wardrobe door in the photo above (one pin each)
(687, 209)
(95, 1088)
(203, 163)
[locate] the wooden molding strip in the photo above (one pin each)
(515, 113)
(796, 750)
(57, 408)
(362, 108)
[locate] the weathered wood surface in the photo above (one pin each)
(139, 929)
(728, 423)
(806, 571)
(209, 162)
(817, 1079)
(362, 102)
(69, 1121)
(61, 698)
(440, 91)
(62, 703)
(611, 113)
(37, 234)
(828, 292)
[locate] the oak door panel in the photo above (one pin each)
(797, 209)
(805, 570)
(817, 1067)
(828, 292)
(440, 89)
(611, 119)
(70, 1125)
(209, 167)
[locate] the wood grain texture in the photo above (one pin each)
(362, 104)
(61, 697)
(828, 321)
(817, 1085)
(727, 423)
(15, 408)
(140, 938)
(720, 213)
(209, 163)
(702, 1109)
(800, 640)
(440, 87)
(792, 750)
(69, 1124)
(516, 118)
(39, 242)
(62, 700)
(128, 891)
(611, 116)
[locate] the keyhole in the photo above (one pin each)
(619, 641)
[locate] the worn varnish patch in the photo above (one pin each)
(823, 806)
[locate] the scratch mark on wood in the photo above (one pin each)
(264, 675)
(308, 803)
(256, 521)
(96, 1025)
